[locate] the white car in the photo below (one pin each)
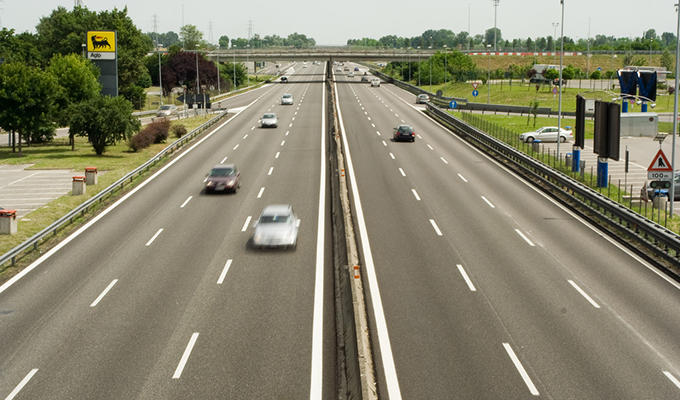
(375, 82)
(547, 134)
(287, 99)
(276, 227)
(167, 110)
(350, 74)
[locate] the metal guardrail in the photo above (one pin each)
(649, 234)
(33, 242)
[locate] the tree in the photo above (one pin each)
(569, 72)
(551, 74)
(224, 42)
(20, 48)
(489, 36)
(667, 61)
(181, 67)
(191, 37)
(78, 79)
(27, 102)
(104, 120)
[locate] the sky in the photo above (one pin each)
(333, 23)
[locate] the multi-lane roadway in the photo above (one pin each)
(477, 285)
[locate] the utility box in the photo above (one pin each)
(78, 185)
(639, 124)
(8, 222)
(90, 175)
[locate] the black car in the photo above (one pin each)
(404, 132)
(284, 79)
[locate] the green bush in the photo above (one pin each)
(178, 130)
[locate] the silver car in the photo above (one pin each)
(287, 99)
(276, 227)
(547, 134)
(269, 120)
(167, 110)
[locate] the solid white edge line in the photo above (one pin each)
(260, 194)
(466, 277)
(672, 378)
(584, 294)
(488, 202)
(224, 272)
(525, 238)
(389, 369)
(186, 201)
(245, 226)
(415, 194)
(101, 296)
(21, 384)
(185, 356)
(316, 384)
(463, 178)
(112, 207)
(154, 237)
(520, 368)
(436, 228)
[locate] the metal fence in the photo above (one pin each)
(33, 242)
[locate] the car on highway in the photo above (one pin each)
(647, 192)
(338, 69)
(404, 132)
(375, 82)
(223, 178)
(346, 68)
(547, 134)
(350, 74)
(356, 69)
(277, 227)
(167, 110)
(269, 120)
(287, 99)
(284, 79)
(422, 99)
(365, 78)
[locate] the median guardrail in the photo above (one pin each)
(33, 242)
(628, 224)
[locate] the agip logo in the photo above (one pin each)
(101, 45)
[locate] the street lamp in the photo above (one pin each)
(651, 40)
(160, 75)
(675, 107)
(247, 68)
(409, 63)
(198, 82)
(446, 53)
(418, 66)
(233, 52)
(555, 25)
(495, 4)
(559, 87)
(430, 65)
(488, 79)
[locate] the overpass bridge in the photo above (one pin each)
(318, 55)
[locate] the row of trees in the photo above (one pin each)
(437, 39)
(190, 38)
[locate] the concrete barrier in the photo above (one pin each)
(78, 186)
(91, 176)
(8, 222)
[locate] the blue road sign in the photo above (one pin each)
(599, 68)
(475, 93)
(453, 104)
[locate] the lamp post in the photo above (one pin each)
(409, 64)
(218, 72)
(488, 78)
(675, 107)
(651, 40)
(555, 25)
(495, 4)
(418, 66)
(446, 53)
(198, 82)
(559, 87)
(247, 68)
(430, 65)
(160, 75)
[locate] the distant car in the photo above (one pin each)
(365, 78)
(338, 69)
(284, 79)
(222, 178)
(167, 110)
(356, 69)
(269, 120)
(404, 132)
(375, 82)
(346, 68)
(422, 99)
(276, 227)
(350, 74)
(287, 99)
(648, 192)
(304, 65)
(546, 134)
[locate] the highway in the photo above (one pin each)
(480, 287)
(477, 285)
(160, 297)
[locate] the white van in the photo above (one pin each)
(375, 82)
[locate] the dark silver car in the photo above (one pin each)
(223, 178)
(404, 132)
(422, 99)
(276, 227)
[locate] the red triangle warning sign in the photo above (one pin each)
(660, 163)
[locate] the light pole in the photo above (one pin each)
(247, 67)
(233, 52)
(651, 40)
(430, 65)
(495, 4)
(559, 87)
(675, 107)
(198, 82)
(160, 75)
(418, 66)
(218, 72)
(488, 78)
(446, 53)
(555, 25)
(409, 64)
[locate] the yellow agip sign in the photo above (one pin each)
(101, 45)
